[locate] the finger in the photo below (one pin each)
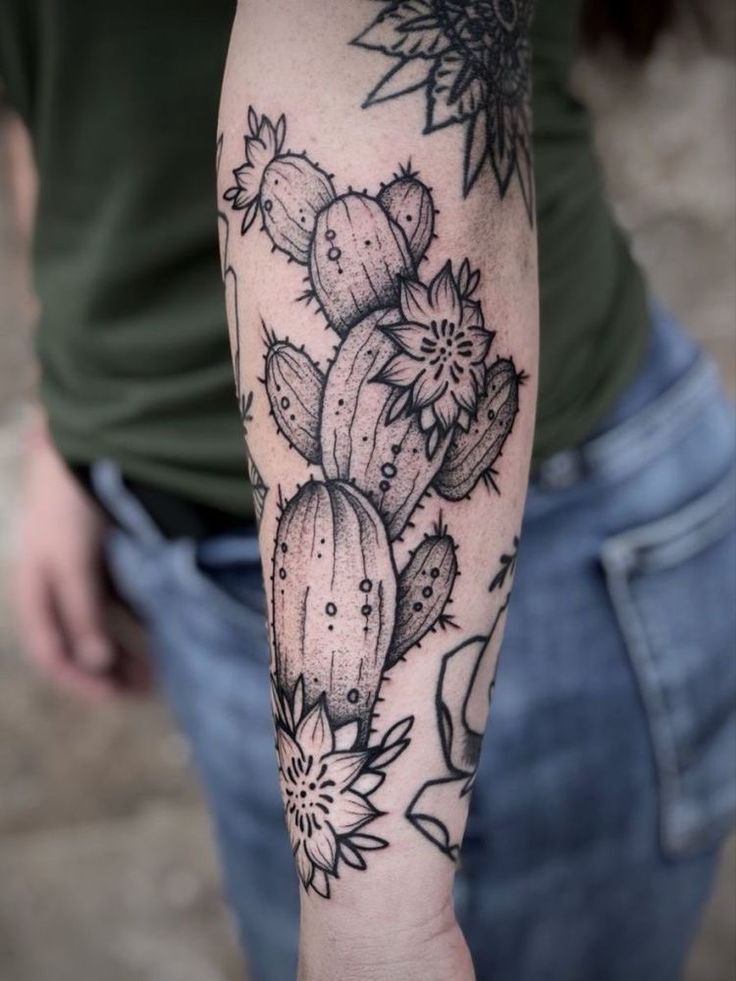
(43, 639)
(83, 619)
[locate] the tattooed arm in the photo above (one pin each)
(380, 272)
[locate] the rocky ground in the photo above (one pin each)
(106, 866)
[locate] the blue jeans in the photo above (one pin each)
(608, 778)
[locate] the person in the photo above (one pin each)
(605, 788)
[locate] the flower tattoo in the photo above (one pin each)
(472, 62)
(326, 784)
(262, 144)
(444, 346)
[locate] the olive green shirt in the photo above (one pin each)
(121, 101)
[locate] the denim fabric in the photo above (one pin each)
(608, 777)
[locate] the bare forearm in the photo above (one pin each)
(382, 301)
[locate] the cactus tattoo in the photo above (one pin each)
(415, 402)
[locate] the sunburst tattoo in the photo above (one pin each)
(472, 62)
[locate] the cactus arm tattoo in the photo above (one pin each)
(471, 63)
(414, 404)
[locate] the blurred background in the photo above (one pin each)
(106, 863)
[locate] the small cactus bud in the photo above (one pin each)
(471, 454)
(424, 588)
(409, 203)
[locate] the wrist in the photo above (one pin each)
(352, 945)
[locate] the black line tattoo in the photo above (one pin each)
(506, 567)
(230, 281)
(245, 404)
(471, 61)
(464, 692)
(413, 401)
(258, 488)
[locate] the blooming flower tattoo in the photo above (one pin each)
(471, 59)
(262, 144)
(326, 784)
(444, 347)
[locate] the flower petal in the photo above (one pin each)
(400, 403)
(255, 150)
(465, 394)
(287, 748)
(367, 783)
(314, 733)
(401, 370)
(427, 421)
(478, 375)
(343, 768)
(303, 864)
(414, 302)
(411, 337)
(249, 181)
(351, 812)
(368, 842)
(427, 389)
(267, 135)
(346, 735)
(481, 340)
(322, 848)
(444, 297)
(472, 314)
(320, 883)
(251, 213)
(446, 410)
(433, 441)
(351, 856)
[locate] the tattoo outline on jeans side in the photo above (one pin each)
(471, 61)
(412, 402)
(463, 695)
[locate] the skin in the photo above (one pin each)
(75, 631)
(394, 919)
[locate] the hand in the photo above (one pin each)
(68, 620)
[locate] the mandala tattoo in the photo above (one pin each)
(471, 60)
(414, 401)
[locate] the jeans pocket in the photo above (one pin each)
(672, 583)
